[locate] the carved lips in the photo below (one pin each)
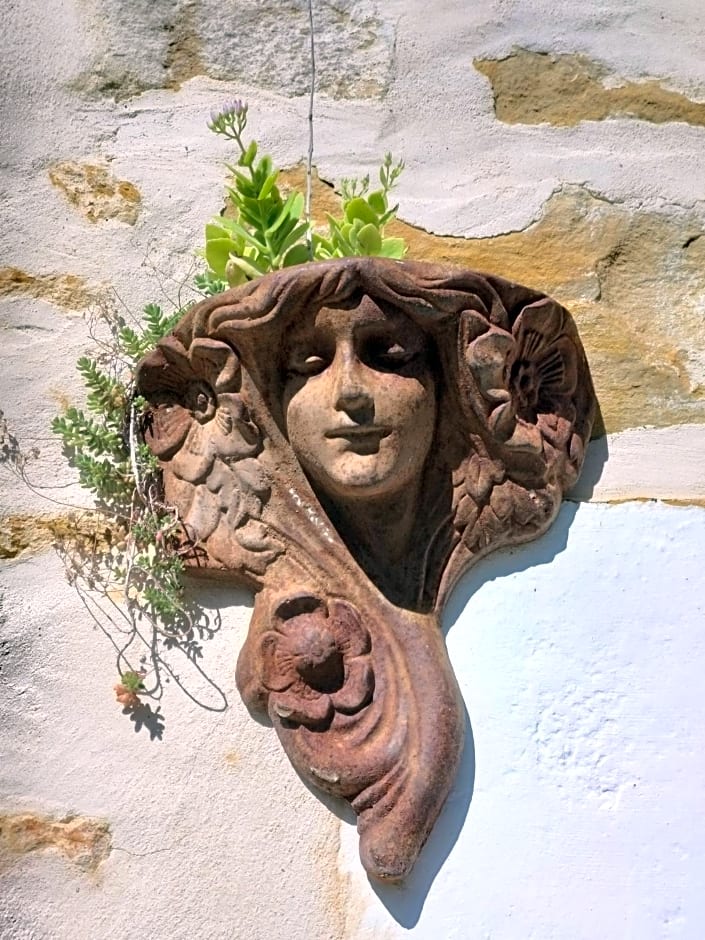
(357, 431)
(361, 439)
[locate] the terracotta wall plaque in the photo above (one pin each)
(346, 438)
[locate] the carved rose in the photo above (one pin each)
(316, 661)
(528, 378)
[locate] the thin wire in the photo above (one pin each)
(309, 162)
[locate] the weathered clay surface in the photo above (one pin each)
(95, 192)
(85, 842)
(616, 609)
(543, 88)
(347, 438)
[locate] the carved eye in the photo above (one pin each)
(307, 365)
(388, 354)
(397, 353)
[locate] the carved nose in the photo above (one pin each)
(350, 392)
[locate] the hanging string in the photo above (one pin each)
(309, 162)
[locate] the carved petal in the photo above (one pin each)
(473, 324)
(559, 381)
(487, 357)
(466, 512)
(577, 449)
(482, 474)
(357, 688)
(502, 419)
(566, 409)
(489, 527)
(195, 458)
(544, 319)
(313, 711)
(165, 369)
(528, 506)
(556, 429)
(273, 677)
(497, 395)
(216, 362)
(204, 514)
(255, 537)
(229, 444)
(350, 635)
(251, 477)
(220, 481)
(169, 427)
(233, 418)
(503, 499)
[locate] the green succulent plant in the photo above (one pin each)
(263, 231)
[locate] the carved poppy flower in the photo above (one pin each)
(200, 426)
(196, 408)
(528, 377)
(198, 420)
(316, 661)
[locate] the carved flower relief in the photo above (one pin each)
(528, 378)
(316, 662)
(197, 411)
(201, 425)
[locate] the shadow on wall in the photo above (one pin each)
(405, 902)
(510, 561)
(595, 460)
(182, 659)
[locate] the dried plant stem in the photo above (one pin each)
(133, 453)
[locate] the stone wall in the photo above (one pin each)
(558, 144)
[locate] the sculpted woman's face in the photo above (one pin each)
(359, 400)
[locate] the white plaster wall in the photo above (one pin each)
(579, 657)
(440, 110)
(213, 833)
(578, 809)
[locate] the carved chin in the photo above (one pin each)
(355, 475)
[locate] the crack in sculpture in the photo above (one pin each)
(346, 438)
